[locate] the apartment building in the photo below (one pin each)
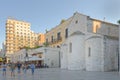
(19, 35)
(41, 39)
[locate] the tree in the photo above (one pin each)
(62, 21)
(118, 22)
(46, 44)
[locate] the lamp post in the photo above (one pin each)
(26, 56)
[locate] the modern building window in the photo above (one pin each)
(66, 33)
(70, 47)
(58, 36)
(89, 52)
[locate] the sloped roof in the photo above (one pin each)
(77, 33)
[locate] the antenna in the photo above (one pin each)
(104, 19)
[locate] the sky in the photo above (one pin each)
(46, 14)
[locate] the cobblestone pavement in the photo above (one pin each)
(58, 74)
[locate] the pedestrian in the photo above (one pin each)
(19, 67)
(32, 66)
(12, 68)
(4, 66)
(24, 67)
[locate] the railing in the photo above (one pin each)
(55, 41)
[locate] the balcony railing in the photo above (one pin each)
(57, 40)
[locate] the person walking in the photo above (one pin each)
(4, 66)
(24, 67)
(19, 67)
(32, 66)
(12, 68)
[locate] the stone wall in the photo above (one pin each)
(52, 58)
(64, 56)
(78, 23)
(111, 53)
(94, 53)
(76, 51)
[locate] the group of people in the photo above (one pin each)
(12, 66)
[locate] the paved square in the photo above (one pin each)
(58, 74)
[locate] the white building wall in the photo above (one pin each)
(78, 23)
(94, 53)
(119, 48)
(3, 51)
(98, 58)
(52, 57)
(111, 54)
(108, 29)
(18, 56)
(76, 53)
(105, 28)
(64, 56)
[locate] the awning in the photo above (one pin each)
(34, 58)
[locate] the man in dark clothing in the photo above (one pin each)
(19, 66)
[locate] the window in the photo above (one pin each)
(66, 33)
(61, 54)
(70, 47)
(58, 36)
(76, 21)
(89, 52)
(95, 28)
(51, 38)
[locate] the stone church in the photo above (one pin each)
(92, 45)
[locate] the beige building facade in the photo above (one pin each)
(56, 36)
(41, 39)
(19, 35)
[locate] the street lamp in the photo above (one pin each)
(26, 56)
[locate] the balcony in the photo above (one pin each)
(57, 40)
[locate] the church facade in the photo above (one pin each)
(92, 45)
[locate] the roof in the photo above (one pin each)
(77, 33)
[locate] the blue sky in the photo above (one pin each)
(45, 14)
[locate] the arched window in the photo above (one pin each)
(70, 47)
(89, 51)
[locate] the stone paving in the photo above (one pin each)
(58, 74)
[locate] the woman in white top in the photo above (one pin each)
(4, 66)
